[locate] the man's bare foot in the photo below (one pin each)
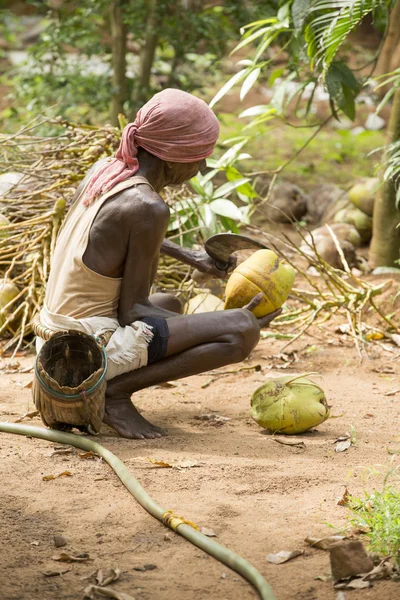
(123, 416)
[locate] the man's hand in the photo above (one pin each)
(206, 264)
(199, 259)
(262, 321)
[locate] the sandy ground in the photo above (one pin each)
(257, 495)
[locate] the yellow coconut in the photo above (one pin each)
(289, 405)
(262, 272)
(363, 193)
(8, 291)
(204, 302)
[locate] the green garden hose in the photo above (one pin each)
(224, 555)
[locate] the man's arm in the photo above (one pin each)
(199, 259)
(145, 237)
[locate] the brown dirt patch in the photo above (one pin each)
(257, 495)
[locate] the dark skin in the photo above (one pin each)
(125, 241)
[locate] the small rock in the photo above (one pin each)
(374, 122)
(167, 537)
(59, 541)
(349, 558)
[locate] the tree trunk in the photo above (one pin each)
(141, 90)
(385, 244)
(118, 48)
(392, 38)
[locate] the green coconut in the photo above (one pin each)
(3, 223)
(8, 291)
(363, 193)
(361, 221)
(289, 405)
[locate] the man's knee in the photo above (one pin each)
(246, 335)
(167, 301)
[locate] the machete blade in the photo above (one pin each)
(221, 245)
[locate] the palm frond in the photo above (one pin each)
(329, 22)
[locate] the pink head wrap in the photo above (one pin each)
(173, 125)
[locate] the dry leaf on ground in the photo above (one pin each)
(51, 477)
(391, 451)
(55, 573)
(208, 532)
(324, 543)
(159, 463)
(91, 591)
(28, 415)
(212, 417)
(344, 500)
(61, 451)
(392, 392)
(355, 584)
(396, 338)
(384, 570)
(183, 464)
(88, 455)
(65, 557)
(294, 444)
(145, 567)
(283, 556)
(107, 576)
(342, 443)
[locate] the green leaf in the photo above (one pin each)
(299, 12)
(342, 87)
(226, 188)
(229, 224)
(329, 24)
(246, 189)
(231, 154)
(258, 23)
(226, 208)
(251, 38)
(178, 222)
(249, 82)
(275, 74)
(208, 220)
(228, 85)
(255, 111)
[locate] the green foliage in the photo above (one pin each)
(328, 24)
(69, 67)
(209, 210)
(312, 33)
(378, 515)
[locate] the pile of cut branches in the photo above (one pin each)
(40, 167)
(327, 293)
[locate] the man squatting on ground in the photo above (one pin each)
(107, 254)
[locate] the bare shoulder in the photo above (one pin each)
(143, 207)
